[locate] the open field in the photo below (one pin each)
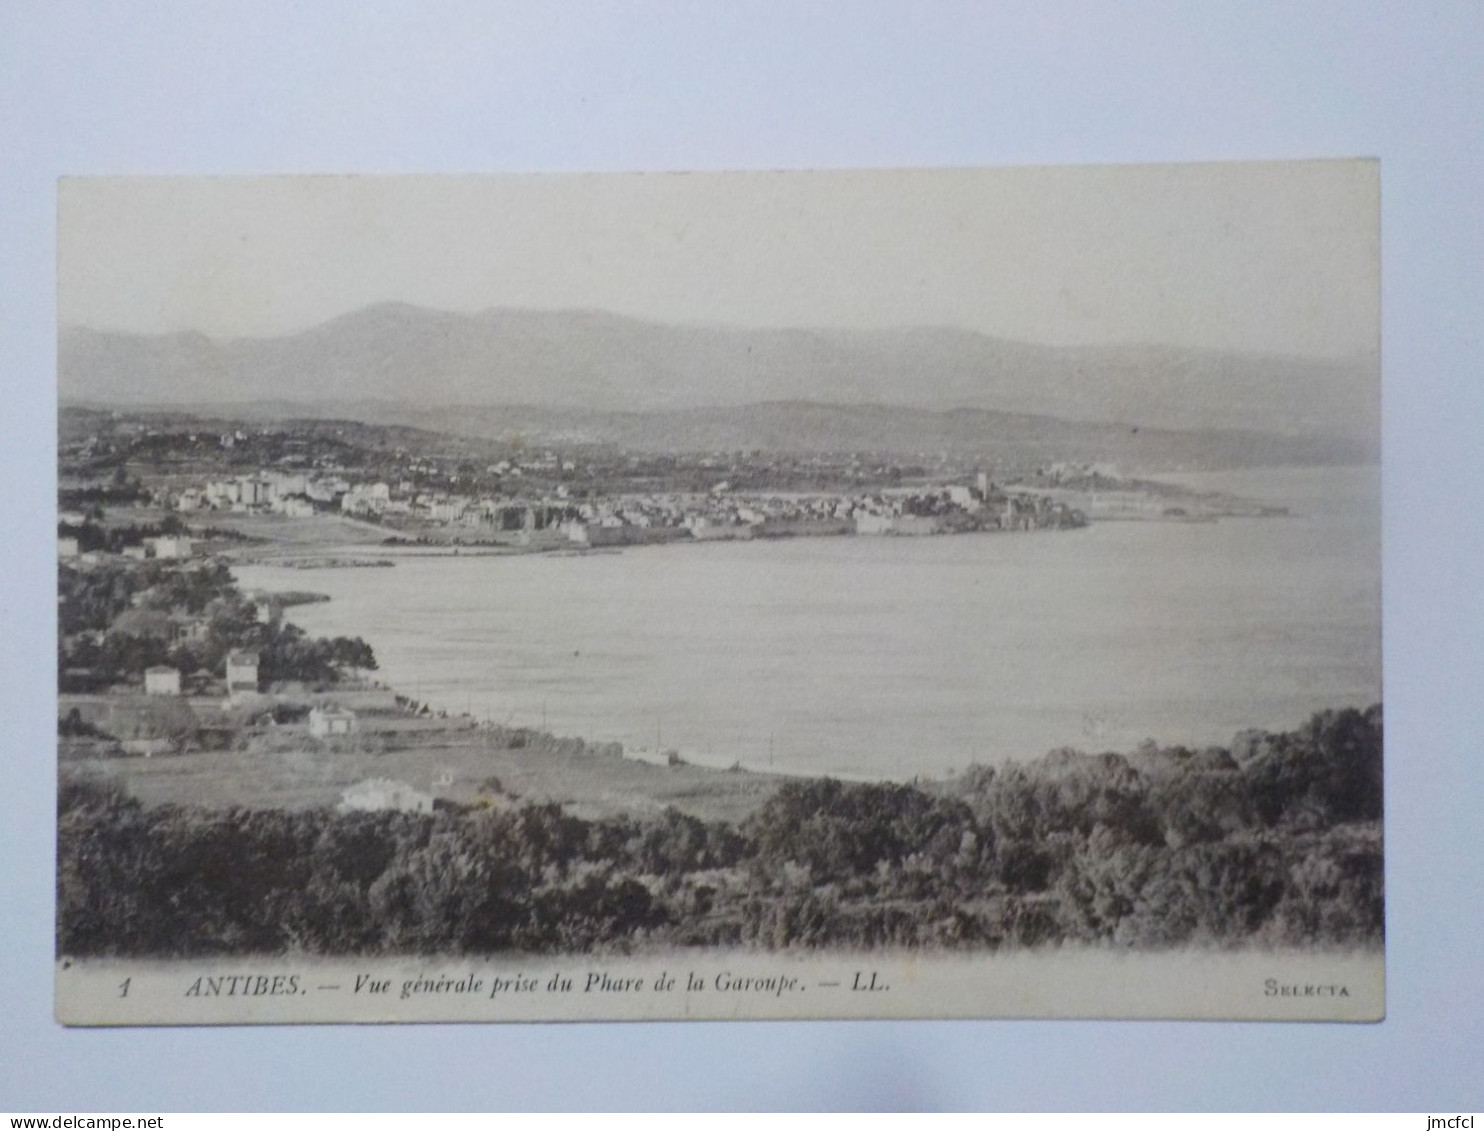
(451, 761)
(326, 540)
(293, 535)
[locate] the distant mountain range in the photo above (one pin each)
(596, 372)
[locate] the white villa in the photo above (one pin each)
(326, 722)
(161, 681)
(378, 794)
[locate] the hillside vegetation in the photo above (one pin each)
(1273, 841)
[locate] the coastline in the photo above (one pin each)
(699, 781)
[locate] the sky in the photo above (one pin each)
(1279, 257)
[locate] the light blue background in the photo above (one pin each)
(254, 87)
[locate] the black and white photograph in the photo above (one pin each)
(657, 596)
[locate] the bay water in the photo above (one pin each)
(875, 657)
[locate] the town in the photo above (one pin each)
(539, 499)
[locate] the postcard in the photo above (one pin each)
(744, 595)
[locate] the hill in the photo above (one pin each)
(595, 361)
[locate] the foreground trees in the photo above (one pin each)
(1276, 841)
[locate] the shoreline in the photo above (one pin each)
(330, 541)
(638, 777)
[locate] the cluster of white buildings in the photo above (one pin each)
(719, 513)
(711, 515)
(241, 678)
(326, 720)
(272, 492)
(169, 547)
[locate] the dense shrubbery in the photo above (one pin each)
(117, 621)
(1276, 841)
(286, 653)
(122, 492)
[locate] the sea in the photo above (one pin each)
(893, 658)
